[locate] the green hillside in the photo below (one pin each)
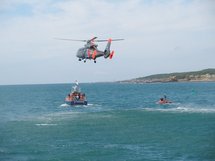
(182, 75)
(202, 75)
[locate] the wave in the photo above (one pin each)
(44, 124)
(64, 105)
(196, 110)
(183, 109)
(61, 112)
(88, 105)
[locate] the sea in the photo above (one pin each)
(122, 122)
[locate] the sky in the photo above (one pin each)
(161, 36)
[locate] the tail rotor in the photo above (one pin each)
(111, 54)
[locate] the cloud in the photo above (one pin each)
(152, 30)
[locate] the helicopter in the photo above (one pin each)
(90, 50)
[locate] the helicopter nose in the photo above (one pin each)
(78, 53)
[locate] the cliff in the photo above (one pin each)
(195, 76)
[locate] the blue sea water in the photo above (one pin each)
(122, 122)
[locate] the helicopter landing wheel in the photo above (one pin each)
(79, 59)
(94, 61)
(84, 61)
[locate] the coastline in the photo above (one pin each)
(206, 75)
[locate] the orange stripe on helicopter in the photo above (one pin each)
(94, 54)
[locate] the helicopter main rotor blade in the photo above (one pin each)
(71, 39)
(92, 39)
(88, 41)
(108, 40)
(117, 39)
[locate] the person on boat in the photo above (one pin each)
(161, 101)
(68, 98)
(164, 100)
(77, 96)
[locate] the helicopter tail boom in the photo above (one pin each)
(107, 49)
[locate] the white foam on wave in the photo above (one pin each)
(45, 124)
(183, 109)
(56, 116)
(63, 114)
(88, 105)
(69, 112)
(64, 105)
(196, 110)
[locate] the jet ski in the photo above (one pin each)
(76, 97)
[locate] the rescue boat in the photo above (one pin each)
(76, 97)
